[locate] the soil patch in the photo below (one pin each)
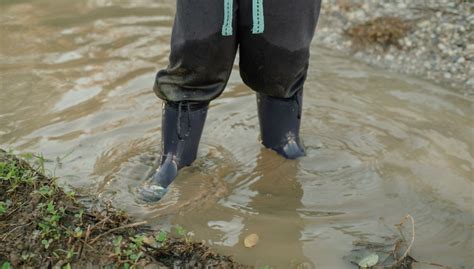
(382, 31)
(43, 226)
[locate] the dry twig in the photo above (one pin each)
(118, 228)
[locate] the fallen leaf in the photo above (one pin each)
(251, 240)
(369, 261)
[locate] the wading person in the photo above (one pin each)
(273, 38)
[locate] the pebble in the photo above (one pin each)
(389, 57)
(442, 47)
(408, 42)
(470, 50)
(424, 24)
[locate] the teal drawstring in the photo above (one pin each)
(228, 13)
(257, 15)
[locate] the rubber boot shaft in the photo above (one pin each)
(181, 129)
(182, 126)
(280, 120)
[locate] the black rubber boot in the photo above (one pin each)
(280, 124)
(181, 129)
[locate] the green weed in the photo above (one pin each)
(6, 265)
(161, 237)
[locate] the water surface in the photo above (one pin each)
(76, 80)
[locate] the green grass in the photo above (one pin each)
(43, 226)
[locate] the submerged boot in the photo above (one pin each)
(181, 130)
(280, 124)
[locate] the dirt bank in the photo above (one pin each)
(43, 226)
(430, 39)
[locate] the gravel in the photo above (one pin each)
(439, 45)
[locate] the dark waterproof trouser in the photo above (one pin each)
(274, 62)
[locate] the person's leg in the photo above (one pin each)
(200, 63)
(201, 57)
(274, 64)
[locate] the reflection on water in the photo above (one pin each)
(76, 78)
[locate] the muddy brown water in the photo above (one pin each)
(76, 81)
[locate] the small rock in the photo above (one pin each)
(408, 42)
(150, 241)
(359, 14)
(389, 57)
(448, 26)
(442, 47)
(251, 240)
(470, 49)
(424, 25)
